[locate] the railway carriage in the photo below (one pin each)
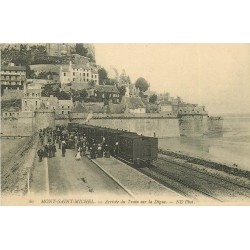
(138, 149)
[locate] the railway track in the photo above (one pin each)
(173, 182)
(244, 188)
(177, 184)
(193, 183)
(205, 183)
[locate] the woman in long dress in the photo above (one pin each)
(78, 156)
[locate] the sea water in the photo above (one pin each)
(231, 146)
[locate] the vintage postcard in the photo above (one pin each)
(125, 124)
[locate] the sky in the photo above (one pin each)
(214, 75)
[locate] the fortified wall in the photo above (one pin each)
(215, 123)
(193, 125)
(27, 123)
(148, 125)
(159, 127)
(44, 118)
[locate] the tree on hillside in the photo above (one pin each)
(103, 75)
(30, 74)
(51, 89)
(79, 95)
(142, 85)
(128, 80)
(110, 82)
(92, 83)
(63, 95)
(81, 50)
(91, 57)
(124, 78)
(153, 98)
(122, 91)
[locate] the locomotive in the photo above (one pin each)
(128, 146)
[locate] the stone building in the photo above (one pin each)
(49, 103)
(133, 105)
(12, 112)
(64, 107)
(13, 77)
(59, 49)
(106, 93)
(79, 74)
(31, 100)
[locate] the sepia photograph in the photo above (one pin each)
(125, 124)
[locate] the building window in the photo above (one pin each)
(68, 107)
(83, 74)
(62, 112)
(6, 114)
(74, 73)
(87, 74)
(68, 112)
(36, 103)
(62, 107)
(64, 74)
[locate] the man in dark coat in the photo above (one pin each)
(50, 150)
(106, 151)
(40, 154)
(93, 151)
(45, 152)
(53, 148)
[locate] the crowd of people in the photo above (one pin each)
(50, 137)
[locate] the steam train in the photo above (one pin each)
(129, 146)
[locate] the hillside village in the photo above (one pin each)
(65, 78)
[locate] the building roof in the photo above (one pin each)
(165, 102)
(78, 108)
(106, 88)
(115, 108)
(13, 68)
(65, 101)
(65, 67)
(95, 108)
(134, 102)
